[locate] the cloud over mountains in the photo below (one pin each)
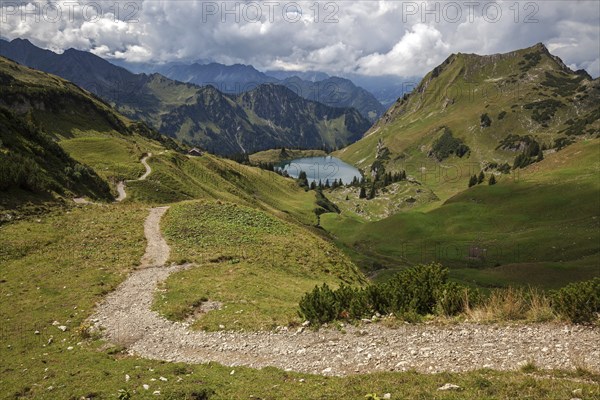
(339, 37)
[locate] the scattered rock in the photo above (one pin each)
(146, 387)
(62, 328)
(387, 396)
(162, 378)
(449, 386)
(127, 378)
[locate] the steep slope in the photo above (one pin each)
(280, 107)
(198, 116)
(111, 83)
(479, 101)
(49, 123)
(267, 117)
(34, 168)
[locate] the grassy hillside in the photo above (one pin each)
(539, 227)
(44, 118)
(480, 101)
(86, 253)
(228, 242)
(34, 169)
(522, 119)
(177, 177)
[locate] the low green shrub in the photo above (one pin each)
(320, 305)
(411, 294)
(578, 302)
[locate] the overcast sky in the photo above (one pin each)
(338, 37)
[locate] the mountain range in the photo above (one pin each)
(238, 78)
(201, 115)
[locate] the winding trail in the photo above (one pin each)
(121, 185)
(125, 317)
(121, 193)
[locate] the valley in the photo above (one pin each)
(132, 267)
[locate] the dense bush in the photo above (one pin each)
(416, 291)
(320, 305)
(543, 110)
(19, 171)
(485, 121)
(579, 302)
(425, 289)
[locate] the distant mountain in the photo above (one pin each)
(311, 76)
(386, 89)
(196, 115)
(267, 117)
(236, 78)
(337, 92)
(82, 68)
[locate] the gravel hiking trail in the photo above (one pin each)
(125, 318)
(122, 194)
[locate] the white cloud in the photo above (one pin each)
(420, 49)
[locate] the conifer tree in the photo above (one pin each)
(473, 181)
(481, 177)
(362, 194)
(372, 192)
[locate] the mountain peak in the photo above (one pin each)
(22, 41)
(540, 46)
